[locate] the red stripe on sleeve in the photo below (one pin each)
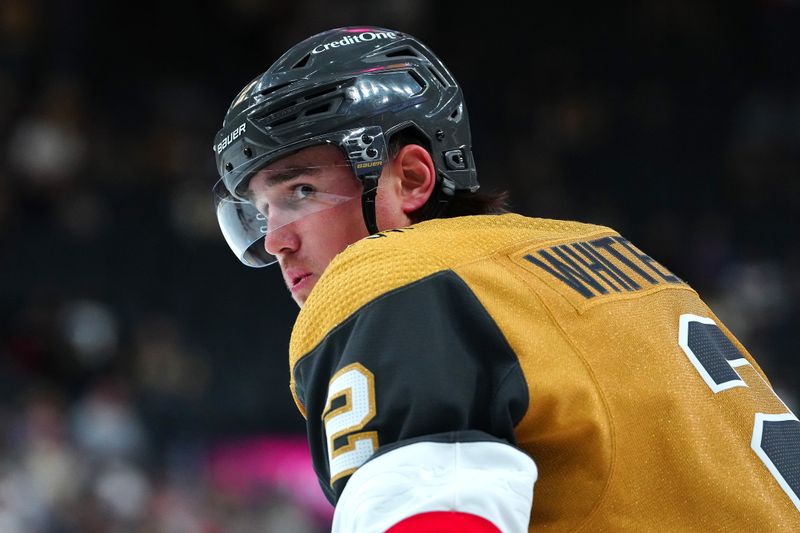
(444, 522)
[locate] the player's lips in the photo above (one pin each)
(295, 279)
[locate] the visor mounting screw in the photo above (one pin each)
(372, 153)
(439, 135)
(247, 151)
(366, 139)
(228, 166)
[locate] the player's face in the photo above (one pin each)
(322, 217)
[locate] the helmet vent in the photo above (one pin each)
(286, 104)
(303, 62)
(438, 77)
(321, 92)
(271, 90)
(330, 106)
(324, 108)
(419, 79)
(282, 121)
(406, 51)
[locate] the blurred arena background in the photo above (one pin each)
(143, 370)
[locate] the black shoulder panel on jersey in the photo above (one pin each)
(445, 438)
(440, 364)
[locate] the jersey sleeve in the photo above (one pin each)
(421, 364)
(465, 487)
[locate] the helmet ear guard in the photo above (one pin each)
(367, 154)
(354, 88)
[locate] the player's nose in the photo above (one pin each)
(281, 240)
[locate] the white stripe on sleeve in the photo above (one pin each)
(489, 479)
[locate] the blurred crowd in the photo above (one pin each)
(132, 343)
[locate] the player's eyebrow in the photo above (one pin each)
(286, 174)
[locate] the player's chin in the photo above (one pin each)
(299, 300)
(301, 291)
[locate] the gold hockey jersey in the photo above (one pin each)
(640, 409)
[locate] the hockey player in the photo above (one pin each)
(449, 357)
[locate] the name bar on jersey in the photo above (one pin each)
(600, 266)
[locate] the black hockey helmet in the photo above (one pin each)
(352, 87)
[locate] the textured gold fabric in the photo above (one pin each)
(626, 434)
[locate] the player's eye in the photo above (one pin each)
(302, 191)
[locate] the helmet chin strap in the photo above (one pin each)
(370, 182)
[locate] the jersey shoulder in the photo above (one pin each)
(381, 263)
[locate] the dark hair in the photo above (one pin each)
(441, 204)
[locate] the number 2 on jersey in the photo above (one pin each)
(350, 405)
(775, 436)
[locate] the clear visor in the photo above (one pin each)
(277, 199)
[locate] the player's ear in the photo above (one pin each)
(414, 165)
